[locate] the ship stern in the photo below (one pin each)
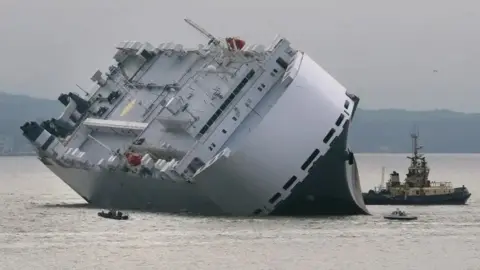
(293, 160)
(332, 186)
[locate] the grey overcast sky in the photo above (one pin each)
(384, 51)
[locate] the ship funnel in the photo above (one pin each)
(39, 136)
(71, 111)
(31, 130)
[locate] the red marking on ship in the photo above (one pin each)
(134, 159)
(235, 44)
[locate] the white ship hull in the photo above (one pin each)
(127, 191)
(332, 187)
(228, 128)
(253, 178)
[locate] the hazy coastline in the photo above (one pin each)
(372, 131)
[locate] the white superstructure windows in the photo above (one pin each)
(329, 135)
(275, 197)
(339, 120)
(282, 63)
(310, 159)
(261, 87)
(290, 182)
(226, 102)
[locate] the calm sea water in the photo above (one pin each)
(43, 225)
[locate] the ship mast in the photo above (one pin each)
(382, 182)
(415, 147)
(418, 170)
(212, 38)
(228, 45)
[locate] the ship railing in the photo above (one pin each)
(440, 184)
(118, 86)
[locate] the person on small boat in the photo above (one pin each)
(114, 214)
(399, 213)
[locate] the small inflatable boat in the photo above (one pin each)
(399, 215)
(113, 215)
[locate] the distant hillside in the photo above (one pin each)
(441, 131)
(373, 131)
(17, 109)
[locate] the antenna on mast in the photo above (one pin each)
(415, 147)
(383, 177)
(86, 93)
(212, 38)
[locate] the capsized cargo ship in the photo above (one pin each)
(227, 128)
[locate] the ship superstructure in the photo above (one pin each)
(225, 128)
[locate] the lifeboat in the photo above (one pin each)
(133, 159)
(235, 44)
